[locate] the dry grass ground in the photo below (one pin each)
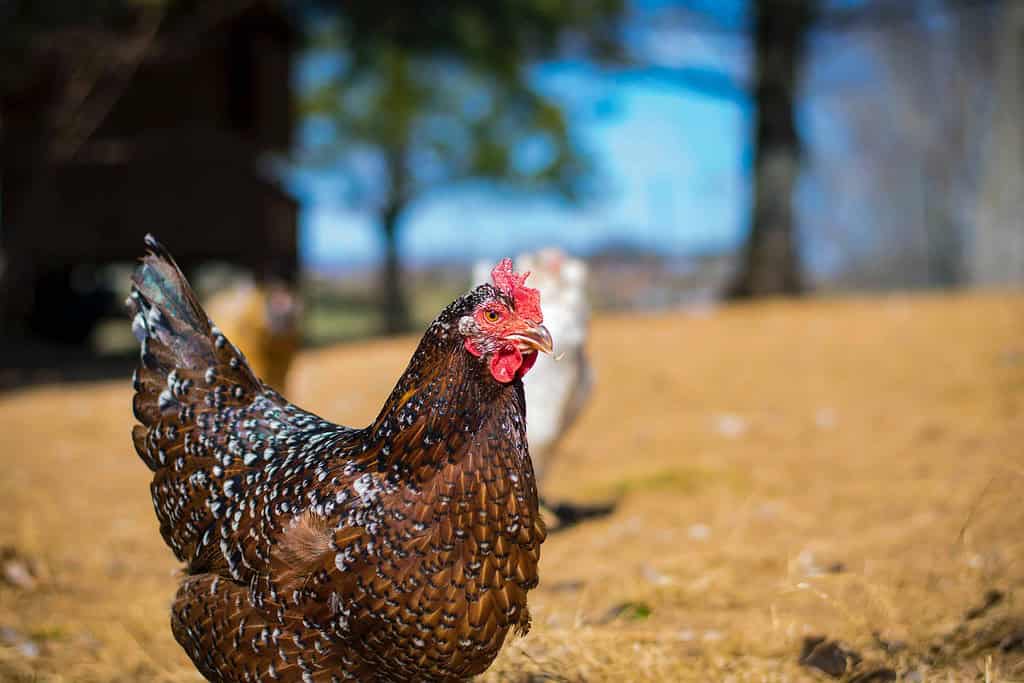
(853, 469)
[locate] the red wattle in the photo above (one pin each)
(505, 363)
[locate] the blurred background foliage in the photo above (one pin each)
(691, 150)
(440, 96)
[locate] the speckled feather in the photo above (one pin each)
(317, 552)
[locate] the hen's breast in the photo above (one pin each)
(407, 573)
(447, 576)
(418, 577)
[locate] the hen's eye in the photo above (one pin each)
(492, 316)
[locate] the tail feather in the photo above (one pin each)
(189, 374)
(169, 321)
(176, 336)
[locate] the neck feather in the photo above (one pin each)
(444, 397)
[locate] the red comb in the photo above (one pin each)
(513, 285)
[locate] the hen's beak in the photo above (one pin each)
(533, 338)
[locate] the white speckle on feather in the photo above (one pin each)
(165, 400)
(139, 327)
(364, 487)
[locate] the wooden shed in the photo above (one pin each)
(170, 127)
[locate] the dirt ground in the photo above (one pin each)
(852, 469)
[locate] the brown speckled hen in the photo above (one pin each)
(316, 552)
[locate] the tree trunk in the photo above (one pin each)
(945, 244)
(393, 305)
(769, 263)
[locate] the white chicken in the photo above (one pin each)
(559, 385)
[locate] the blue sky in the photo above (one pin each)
(672, 164)
(669, 166)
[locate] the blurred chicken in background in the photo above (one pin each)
(559, 385)
(263, 320)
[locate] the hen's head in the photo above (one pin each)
(501, 324)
